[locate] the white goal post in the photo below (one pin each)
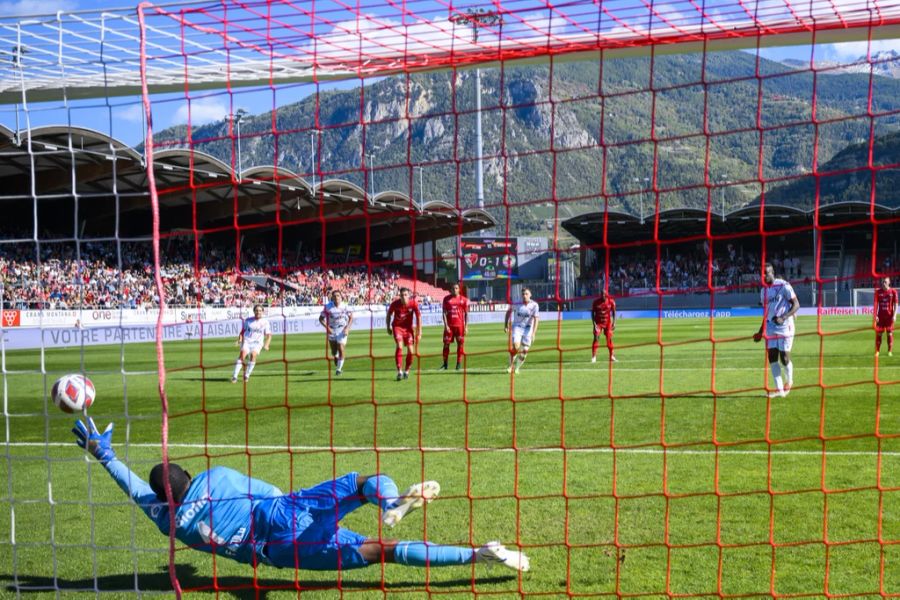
(863, 297)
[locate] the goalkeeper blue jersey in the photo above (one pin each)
(223, 511)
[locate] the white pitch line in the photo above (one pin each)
(285, 448)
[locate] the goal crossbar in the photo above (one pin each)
(90, 55)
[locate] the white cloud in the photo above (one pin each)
(131, 113)
(849, 51)
(25, 8)
(202, 110)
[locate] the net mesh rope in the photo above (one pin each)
(203, 55)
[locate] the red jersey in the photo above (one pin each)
(602, 311)
(885, 303)
(403, 314)
(456, 308)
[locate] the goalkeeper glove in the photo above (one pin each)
(98, 444)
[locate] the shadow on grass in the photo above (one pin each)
(237, 587)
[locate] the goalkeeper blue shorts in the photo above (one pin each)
(304, 530)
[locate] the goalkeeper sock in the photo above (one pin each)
(776, 375)
(425, 554)
(878, 342)
(340, 364)
(460, 351)
(409, 359)
(250, 366)
(594, 348)
(890, 342)
(237, 368)
(789, 373)
(381, 490)
(398, 357)
(446, 353)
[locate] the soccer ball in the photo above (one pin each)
(73, 393)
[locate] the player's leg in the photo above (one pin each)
(448, 337)
(523, 351)
(251, 363)
(410, 352)
(398, 354)
(787, 365)
(775, 366)
(341, 346)
(238, 364)
(609, 344)
(595, 345)
(878, 334)
(890, 340)
(427, 554)
(460, 348)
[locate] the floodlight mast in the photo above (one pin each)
(477, 18)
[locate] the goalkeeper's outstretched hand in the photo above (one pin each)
(98, 444)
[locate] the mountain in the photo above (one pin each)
(853, 185)
(884, 64)
(435, 128)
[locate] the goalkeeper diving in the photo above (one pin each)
(227, 513)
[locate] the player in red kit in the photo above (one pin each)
(886, 305)
(400, 325)
(603, 312)
(456, 324)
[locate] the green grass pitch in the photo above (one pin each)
(706, 493)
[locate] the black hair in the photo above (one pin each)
(405, 289)
(767, 265)
(179, 480)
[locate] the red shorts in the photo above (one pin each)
(407, 337)
(454, 332)
(885, 323)
(605, 329)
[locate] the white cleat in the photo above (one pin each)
(613, 359)
(776, 394)
(517, 370)
(495, 553)
(509, 369)
(415, 497)
(593, 359)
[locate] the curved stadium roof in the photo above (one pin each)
(199, 192)
(690, 223)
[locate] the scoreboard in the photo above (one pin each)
(488, 258)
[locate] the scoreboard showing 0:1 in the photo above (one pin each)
(489, 258)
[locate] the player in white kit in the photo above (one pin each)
(256, 335)
(337, 318)
(524, 317)
(779, 306)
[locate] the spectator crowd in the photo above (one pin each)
(110, 275)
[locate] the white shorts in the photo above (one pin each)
(340, 338)
(782, 340)
(521, 336)
(248, 348)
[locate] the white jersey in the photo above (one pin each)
(777, 300)
(255, 330)
(336, 317)
(524, 313)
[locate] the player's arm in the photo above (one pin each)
(612, 316)
(466, 318)
(446, 318)
(268, 338)
(795, 306)
(418, 316)
(390, 316)
(323, 321)
(99, 445)
(506, 320)
(534, 325)
(240, 339)
(349, 322)
(759, 334)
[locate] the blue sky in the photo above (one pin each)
(122, 117)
